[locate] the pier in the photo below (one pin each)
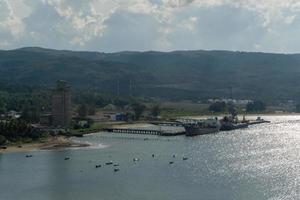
(174, 124)
(145, 131)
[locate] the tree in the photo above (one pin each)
(138, 110)
(92, 110)
(155, 110)
(255, 106)
(82, 111)
(2, 140)
(120, 102)
(217, 107)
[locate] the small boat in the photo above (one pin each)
(136, 159)
(29, 156)
(116, 169)
(171, 162)
(258, 120)
(98, 166)
(185, 158)
(116, 165)
(109, 163)
(67, 158)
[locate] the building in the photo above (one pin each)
(61, 105)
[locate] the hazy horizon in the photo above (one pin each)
(270, 26)
(142, 51)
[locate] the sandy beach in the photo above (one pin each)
(51, 143)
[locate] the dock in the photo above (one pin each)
(258, 122)
(174, 124)
(145, 131)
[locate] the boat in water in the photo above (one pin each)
(202, 127)
(228, 126)
(231, 122)
(258, 120)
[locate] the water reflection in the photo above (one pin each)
(261, 162)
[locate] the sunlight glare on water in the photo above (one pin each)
(260, 162)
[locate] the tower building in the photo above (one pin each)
(61, 105)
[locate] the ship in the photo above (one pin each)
(228, 126)
(202, 127)
(230, 122)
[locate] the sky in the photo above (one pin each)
(160, 25)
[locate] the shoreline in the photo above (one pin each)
(51, 143)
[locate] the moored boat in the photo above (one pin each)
(232, 126)
(193, 131)
(259, 120)
(202, 127)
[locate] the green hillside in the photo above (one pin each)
(173, 75)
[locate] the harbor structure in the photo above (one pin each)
(61, 105)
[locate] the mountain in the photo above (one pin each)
(174, 75)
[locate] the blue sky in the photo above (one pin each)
(141, 25)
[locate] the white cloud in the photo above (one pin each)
(9, 20)
(77, 24)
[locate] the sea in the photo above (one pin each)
(261, 162)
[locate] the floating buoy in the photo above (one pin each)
(174, 155)
(152, 155)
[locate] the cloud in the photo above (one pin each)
(9, 21)
(112, 25)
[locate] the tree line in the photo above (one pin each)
(221, 106)
(16, 129)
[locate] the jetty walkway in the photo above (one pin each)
(145, 131)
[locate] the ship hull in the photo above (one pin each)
(229, 127)
(194, 131)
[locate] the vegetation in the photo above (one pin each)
(2, 140)
(92, 128)
(217, 107)
(29, 101)
(82, 111)
(138, 109)
(174, 75)
(256, 106)
(14, 130)
(155, 111)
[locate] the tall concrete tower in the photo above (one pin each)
(61, 105)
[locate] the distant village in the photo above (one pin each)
(65, 117)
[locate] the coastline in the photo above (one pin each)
(51, 143)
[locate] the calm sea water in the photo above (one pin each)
(261, 162)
